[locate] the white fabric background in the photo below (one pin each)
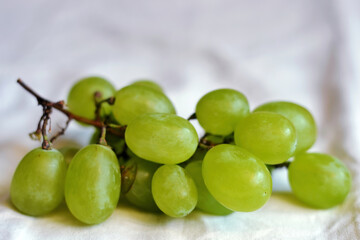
(302, 50)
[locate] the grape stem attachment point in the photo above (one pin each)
(47, 110)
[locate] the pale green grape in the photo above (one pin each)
(115, 142)
(206, 202)
(162, 138)
(236, 178)
(269, 136)
(92, 185)
(37, 186)
(81, 99)
(219, 111)
(135, 100)
(319, 180)
(140, 192)
(174, 190)
(148, 83)
(300, 117)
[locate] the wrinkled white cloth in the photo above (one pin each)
(303, 51)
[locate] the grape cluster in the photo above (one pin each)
(158, 164)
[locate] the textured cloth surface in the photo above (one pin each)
(303, 51)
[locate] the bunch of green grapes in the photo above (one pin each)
(142, 150)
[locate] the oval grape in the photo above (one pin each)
(92, 186)
(300, 117)
(37, 186)
(236, 178)
(81, 98)
(174, 191)
(319, 180)
(269, 136)
(135, 100)
(219, 111)
(162, 138)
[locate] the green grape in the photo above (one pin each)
(219, 111)
(115, 142)
(140, 193)
(149, 84)
(135, 100)
(300, 117)
(68, 153)
(174, 190)
(81, 98)
(270, 136)
(206, 202)
(162, 138)
(37, 186)
(236, 178)
(319, 180)
(92, 185)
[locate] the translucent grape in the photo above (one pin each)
(162, 138)
(37, 186)
(206, 202)
(135, 100)
(140, 192)
(319, 180)
(270, 136)
(81, 98)
(219, 111)
(148, 83)
(174, 191)
(92, 185)
(236, 178)
(300, 117)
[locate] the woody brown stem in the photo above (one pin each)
(47, 107)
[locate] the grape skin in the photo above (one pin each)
(174, 191)
(236, 178)
(319, 180)
(148, 83)
(162, 138)
(81, 99)
(300, 117)
(269, 136)
(206, 202)
(140, 193)
(135, 100)
(92, 185)
(37, 186)
(219, 111)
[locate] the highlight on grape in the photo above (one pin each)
(143, 151)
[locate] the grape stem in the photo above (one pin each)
(102, 140)
(48, 105)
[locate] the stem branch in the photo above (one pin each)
(47, 107)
